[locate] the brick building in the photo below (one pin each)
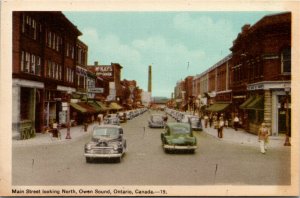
(44, 51)
(262, 72)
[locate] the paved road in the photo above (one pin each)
(215, 162)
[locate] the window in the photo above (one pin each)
(30, 63)
(286, 60)
(30, 27)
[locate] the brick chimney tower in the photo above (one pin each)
(150, 78)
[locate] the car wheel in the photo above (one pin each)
(88, 160)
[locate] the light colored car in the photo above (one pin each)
(156, 121)
(107, 142)
(178, 136)
(193, 120)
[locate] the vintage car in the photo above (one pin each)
(156, 121)
(193, 120)
(112, 119)
(122, 117)
(178, 136)
(107, 142)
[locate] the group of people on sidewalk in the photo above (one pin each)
(219, 122)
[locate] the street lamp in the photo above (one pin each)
(287, 123)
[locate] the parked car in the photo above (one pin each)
(122, 117)
(194, 121)
(112, 119)
(156, 121)
(178, 136)
(107, 142)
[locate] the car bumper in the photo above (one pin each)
(156, 125)
(178, 147)
(197, 128)
(111, 155)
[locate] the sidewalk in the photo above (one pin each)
(242, 137)
(46, 138)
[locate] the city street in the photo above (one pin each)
(215, 162)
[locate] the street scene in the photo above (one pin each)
(47, 161)
(151, 98)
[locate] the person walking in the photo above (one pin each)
(210, 120)
(263, 137)
(205, 120)
(236, 122)
(220, 127)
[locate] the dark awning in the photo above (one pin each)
(247, 102)
(256, 104)
(218, 107)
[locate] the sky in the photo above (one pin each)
(176, 44)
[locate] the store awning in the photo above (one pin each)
(95, 106)
(115, 106)
(256, 104)
(102, 106)
(88, 107)
(218, 107)
(247, 102)
(78, 107)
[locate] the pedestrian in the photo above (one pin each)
(215, 121)
(100, 118)
(210, 120)
(220, 127)
(236, 121)
(165, 119)
(205, 120)
(263, 137)
(226, 123)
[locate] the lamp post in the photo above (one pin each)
(68, 136)
(287, 117)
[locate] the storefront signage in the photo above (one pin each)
(255, 87)
(96, 90)
(104, 71)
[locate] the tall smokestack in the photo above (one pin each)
(150, 79)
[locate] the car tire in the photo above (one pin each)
(88, 159)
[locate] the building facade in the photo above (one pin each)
(44, 51)
(262, 72)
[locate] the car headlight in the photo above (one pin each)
(88, 147)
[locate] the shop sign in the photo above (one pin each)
(96, 90)
(81, 71)
(104, 71)
(255, 87)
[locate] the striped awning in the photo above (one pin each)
(102, 106)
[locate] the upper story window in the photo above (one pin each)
(30, 63)
(286, 60)
(31, 27)
(54, 41)
(69, 50)
(53, 70)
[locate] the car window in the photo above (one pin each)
(157, 118)
(106, 132)
(180, 130)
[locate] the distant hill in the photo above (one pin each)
(159, 99)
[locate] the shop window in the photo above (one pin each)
(286, 60)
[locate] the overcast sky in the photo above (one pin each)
(176, 44)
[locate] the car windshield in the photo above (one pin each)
(106, 132)
(180, 130)
(194, 119)
(157, 118)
